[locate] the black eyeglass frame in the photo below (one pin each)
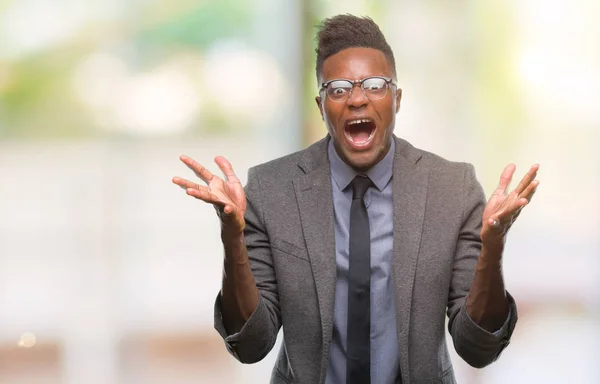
(388, 81)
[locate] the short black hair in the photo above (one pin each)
(347, 31)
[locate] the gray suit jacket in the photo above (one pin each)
(438, 207)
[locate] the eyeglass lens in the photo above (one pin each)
(374, 88)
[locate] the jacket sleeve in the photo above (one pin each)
(475, 345)
(258, 335)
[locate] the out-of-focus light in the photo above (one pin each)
(164, 100)
(246, 83)
(355, 7)
(556, 63)
(27, 340)
(30, 25)
(27, 26)
(98, 78)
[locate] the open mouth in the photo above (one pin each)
(359, 132)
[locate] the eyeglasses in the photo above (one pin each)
(374, 88)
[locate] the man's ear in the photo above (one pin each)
(320, 105)
(398, 98)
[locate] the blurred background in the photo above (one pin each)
(108, 271)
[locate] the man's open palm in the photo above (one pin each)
(226, 195)
(503, 207)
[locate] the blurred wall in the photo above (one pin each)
(108, 272)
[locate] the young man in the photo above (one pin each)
(359, 244)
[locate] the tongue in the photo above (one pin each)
(360, 136)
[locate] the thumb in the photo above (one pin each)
(494, 222)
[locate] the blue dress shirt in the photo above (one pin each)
(378, 199)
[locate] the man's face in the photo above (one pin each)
(361, 145)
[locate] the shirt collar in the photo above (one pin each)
(343, 174)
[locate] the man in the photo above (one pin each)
(360, 243)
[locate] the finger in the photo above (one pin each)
(185, 184)
(514, 209)
(197, 168)
(505, 178)
(495, 222)
(224, 209)
(504, 215)
(501, 222)
(227, 169)
(205, 195)
(517, 213)
(530, 190)
(527, 179)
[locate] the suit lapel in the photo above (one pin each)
(409, 197)
(315, 204)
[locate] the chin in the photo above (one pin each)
(361, 162)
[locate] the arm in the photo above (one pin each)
(247, 308)
(487, 304)
(257, 336)
(239, 295)
(478, 305)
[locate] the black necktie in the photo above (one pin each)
(358, 357)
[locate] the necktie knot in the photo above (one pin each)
(360, 184)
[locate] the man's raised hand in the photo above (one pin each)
(503, 207)
(226, 195)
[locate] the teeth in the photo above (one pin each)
(359, 121)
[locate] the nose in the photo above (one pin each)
(357, 98)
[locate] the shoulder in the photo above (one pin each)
(450, 183)
(279, 167)
(429, 160)
(295, 164)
